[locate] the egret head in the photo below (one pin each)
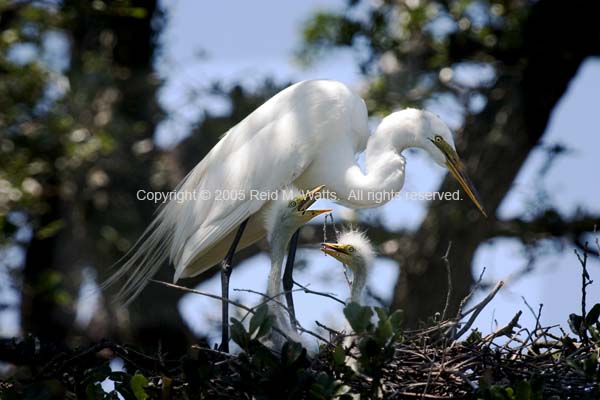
(286, 216)
(434, 136)
(353, 249)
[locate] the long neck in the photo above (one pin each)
(359, 281)
(278, 244)
(384, 174)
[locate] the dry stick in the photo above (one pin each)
(451, 331)
(272, 298)
(585, 282)
(266, 300)
(214, 296)
(459, 314)
(328, 295)
(330, 330)
(506, 330)
(449, 276)
(537, 319)
(479, 307)
(460, 374)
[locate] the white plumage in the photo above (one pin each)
(307, 135)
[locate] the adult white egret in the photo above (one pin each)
(306, 135)
(284, 216)
(353, 249)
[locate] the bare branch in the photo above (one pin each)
(478, 308)
(449, 274)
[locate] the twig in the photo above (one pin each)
(328, 295)
(459, 314)
(311, 333)
(200, 292)
(478, 308)
(449, 276)
(328, 329)
(272, 298)
(506, 330)
(214, 296)
(585, 282)
(266, 300)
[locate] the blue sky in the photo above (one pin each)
(257, 41)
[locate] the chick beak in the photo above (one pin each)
(314, 213)
(310, 198)
(332, 249)
(457, 169)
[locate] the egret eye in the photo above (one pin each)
(438, 138)
(292, 204)
(350, 249)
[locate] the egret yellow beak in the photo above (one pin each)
(334, 249)
(310, 198)
(457, 169)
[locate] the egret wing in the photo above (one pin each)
(260, 155)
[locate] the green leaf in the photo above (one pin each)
(384, 331)
(50, 229)
(396, 319)
(381, 313)
(138, 382)
(592, 316)
(239, 334)
(291, 352)
(523, 391)
(266, 326)
(575, 322)
(94, 391)
(475, 337)
(258, 318)
(358, 316)
(339, 355)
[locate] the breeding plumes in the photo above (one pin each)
(306, 135)
(284, 216)
(354, 250)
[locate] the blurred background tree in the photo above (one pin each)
(78, 111)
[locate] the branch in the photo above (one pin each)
(548, 225)
(449, 274)
(214, 296)
(478, 308)
(328, 295)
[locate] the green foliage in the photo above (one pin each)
(532, 389)
(138, 382)
(375, 341)
(265, 375)
(402, 47)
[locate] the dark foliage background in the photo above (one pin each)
(76, 135)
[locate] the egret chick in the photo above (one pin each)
(283, 218)
(353, 249)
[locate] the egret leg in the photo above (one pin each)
(288, 279)
(225, 274)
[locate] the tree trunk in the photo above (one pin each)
(499, 140)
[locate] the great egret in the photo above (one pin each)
(306, 135)
(284, 216)
(353, 249)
